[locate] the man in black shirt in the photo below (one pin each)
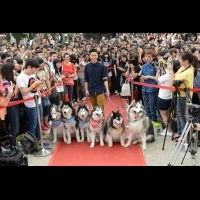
(96, 80)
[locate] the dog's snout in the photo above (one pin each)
(64, 112)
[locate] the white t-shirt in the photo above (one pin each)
(25, 81)
(165, 81)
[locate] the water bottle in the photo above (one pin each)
(19, 147)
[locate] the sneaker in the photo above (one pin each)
(47, 125)
(46, 144)
(168, 133)
(44, 128)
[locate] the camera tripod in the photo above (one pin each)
(172, 110)
(193, 140)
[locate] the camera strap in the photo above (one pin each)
(185, 69)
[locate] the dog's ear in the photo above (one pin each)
(133, 102)
(141, 102)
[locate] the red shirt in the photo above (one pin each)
(70, 70)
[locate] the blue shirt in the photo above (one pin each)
(148, 69)
(94, 75)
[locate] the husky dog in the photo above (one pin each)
(140, 126)
(57, 127)
(83, 116)
(70, 122)
(114, 130)
(96, 126)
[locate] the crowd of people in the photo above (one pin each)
(30, 68)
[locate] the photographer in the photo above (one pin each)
(185, 75)
(165, 78)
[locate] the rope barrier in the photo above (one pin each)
(172, 88)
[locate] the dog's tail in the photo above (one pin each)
(150, 138)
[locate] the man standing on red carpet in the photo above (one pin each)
(96, 80)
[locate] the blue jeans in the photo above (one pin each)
(69, 91)
(149, 100)
(33, 125)
(13, 114)
(82, 84)
(180, 114)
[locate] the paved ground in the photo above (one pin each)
(154, 155)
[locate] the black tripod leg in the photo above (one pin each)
(187, 150)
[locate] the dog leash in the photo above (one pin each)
(109, 101)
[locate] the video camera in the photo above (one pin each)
(194, 110)
(177, 83)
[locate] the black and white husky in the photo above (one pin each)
(57, 127)
(70, 122)
(83, 117)
(114, 130)
(96, 126)
(140, 126)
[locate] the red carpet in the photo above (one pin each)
(80, 154)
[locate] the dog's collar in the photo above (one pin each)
(95, 123)
(71, 120)
(82, 123)
(56, 123)
(118, 130)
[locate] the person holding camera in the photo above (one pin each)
(165, 77)
(185, 76)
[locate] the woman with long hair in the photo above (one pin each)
(107, 62)
(133, 73)
(13, 112)
(59, 76)
(75, 60)
(185, 74)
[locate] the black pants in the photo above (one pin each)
(75, 90)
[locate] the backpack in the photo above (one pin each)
(28, 141)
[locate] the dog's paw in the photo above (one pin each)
(126, 145)
(78, 140)
(54, 141)
(65, 140)
(144, 148)
(92, 146)
(88, 140)
(101, 144)
(110, 145)
(122, 144)
(97, 140)
(82, 140)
